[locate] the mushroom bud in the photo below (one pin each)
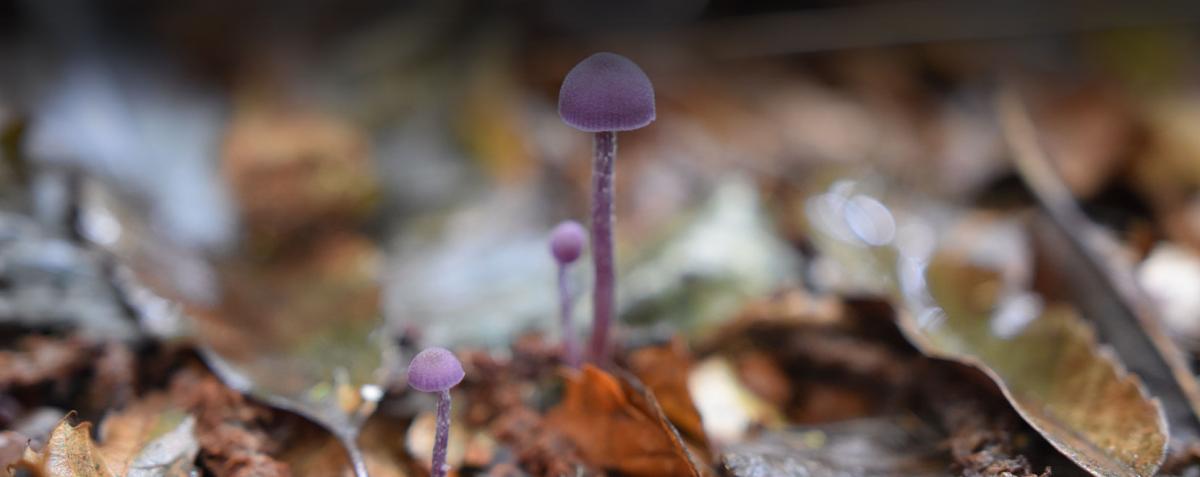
(436, 370)
(603, 94)
(566, 245)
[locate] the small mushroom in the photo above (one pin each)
(603, 94)
(436, 370)
(566, 245)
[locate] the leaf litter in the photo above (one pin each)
(832, 371)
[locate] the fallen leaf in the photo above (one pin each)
(69, 452)
(1088, 266)
(617, 425)
(1044, 358)
(150, 437)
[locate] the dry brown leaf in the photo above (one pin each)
(618, 426)
(69, 452)
(1055, 374)
(1044, 357)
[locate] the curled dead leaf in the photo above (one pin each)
(972, 307)
(617, 425)
(1062, 382)
(69, 452)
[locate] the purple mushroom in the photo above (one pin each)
(603, 94)
(436, 370)
(566, 245)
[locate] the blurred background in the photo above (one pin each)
(417, 143)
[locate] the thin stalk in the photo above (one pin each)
(602, 244)
(566, 301)
(357, 461)
(442, 439)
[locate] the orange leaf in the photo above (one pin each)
(617, 425)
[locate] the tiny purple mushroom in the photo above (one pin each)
(436, 370)
(566, 245)
(603, 94)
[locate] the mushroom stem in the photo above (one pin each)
(442, 438)
(602, 244)
(566, 303)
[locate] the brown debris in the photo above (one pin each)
(818, 358)
(115, 379)
(984, 437)
(38, 359)
(496, 392)
(230, 429)
(539, 448)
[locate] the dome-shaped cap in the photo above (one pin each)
(606, 92)
(567, 241)
(434, 370)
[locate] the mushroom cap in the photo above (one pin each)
(606, 92)
(434, 370)
(567, 241)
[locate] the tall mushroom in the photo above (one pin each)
(603, 94)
